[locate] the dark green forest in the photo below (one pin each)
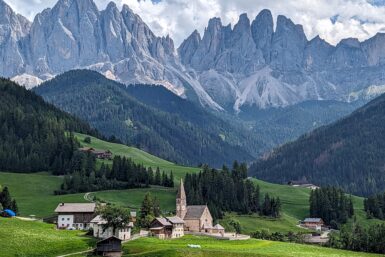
(84, 176)
(229, 190)
(109, 107)
(349, 154)
(331, 205)
(359, 238)
(375, 206)
(32, 132)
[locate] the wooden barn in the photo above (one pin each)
(111, 247)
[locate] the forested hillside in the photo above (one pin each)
(109, 107)
(349, 153)
(32, 132)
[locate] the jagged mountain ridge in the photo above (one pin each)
(227, 68)
(75, 34)
(252, 64)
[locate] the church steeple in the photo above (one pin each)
(181, 202)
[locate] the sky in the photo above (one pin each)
(332, 20)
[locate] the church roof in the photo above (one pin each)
(181, 193)
(194, 212)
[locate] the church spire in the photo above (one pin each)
(181, 192)
(181, 202)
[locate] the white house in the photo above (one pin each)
(97, 226)
(75, 215)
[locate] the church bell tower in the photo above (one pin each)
(181, 202)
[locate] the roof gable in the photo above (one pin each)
(75, 207)
(195, 211)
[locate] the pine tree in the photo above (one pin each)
(157, 177)
(14, 207)
(6, 199)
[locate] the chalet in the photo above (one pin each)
(75, 215)
(111, 246)
(100, 154)
(313, 223)
(169, 227)
(302, 184)
(100, 232)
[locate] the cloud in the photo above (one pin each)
(333, 20)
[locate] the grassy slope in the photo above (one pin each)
(295, 201)
(150, 247)
(138, 156)
(33, 238)
(34, 192)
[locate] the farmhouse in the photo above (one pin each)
(100, 154)
(169, 227)
(313, 223)
(303, 184)
(111, 246)
(75, 215)
(100, 232)
(197, 218)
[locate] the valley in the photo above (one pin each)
(249, 136)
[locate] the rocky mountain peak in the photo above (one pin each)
(188, 47)
(288, 45)
(243, 24)
(262, 29)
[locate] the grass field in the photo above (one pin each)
(151, 247)
(34, 192)
(35, 239)
(295, 202)
(138, 156)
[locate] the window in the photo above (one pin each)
(62, 219)
(68, 218)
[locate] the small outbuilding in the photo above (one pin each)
(111, 246)
(218, 229)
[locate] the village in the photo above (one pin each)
(188, 219)
(195, 220)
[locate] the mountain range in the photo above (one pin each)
(152, 118)
(230, 68)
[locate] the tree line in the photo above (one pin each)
(124, 173)
(375, 206)
(229, 190)
(6, 201)
(332, 205)
(358, 238)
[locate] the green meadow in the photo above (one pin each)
(34, 193)
(151, 247)
(36, 239)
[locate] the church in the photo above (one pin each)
(197, 218)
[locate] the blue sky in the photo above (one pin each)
(333, 20)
